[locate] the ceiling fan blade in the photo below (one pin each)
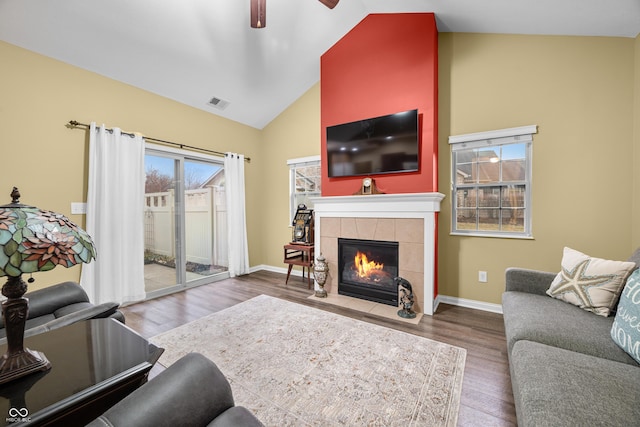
(330, 3)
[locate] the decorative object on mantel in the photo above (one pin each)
(406, 298)
(320, 271)
(32, 240)
(368, 187)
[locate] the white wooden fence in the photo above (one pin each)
(205, 225)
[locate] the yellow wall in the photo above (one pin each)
(293, 134)
(636, 148)
(47, 161)
(578, 91)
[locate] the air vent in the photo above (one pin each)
(218, 103)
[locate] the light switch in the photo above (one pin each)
(78, 208)
(482, 276)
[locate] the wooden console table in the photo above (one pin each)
(95, 364)
(298, 254)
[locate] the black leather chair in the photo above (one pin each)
(191, 392)
(60, 305)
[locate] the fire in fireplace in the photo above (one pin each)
(367, 269)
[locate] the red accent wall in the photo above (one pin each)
(386, 64)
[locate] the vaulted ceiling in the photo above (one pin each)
(194, 50)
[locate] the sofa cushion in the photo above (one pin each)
(553, 322)
(626, 325)
(557, 387)
(593, 284)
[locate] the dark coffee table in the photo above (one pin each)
(94, 363)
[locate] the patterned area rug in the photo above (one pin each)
(294, 365)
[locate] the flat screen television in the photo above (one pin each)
(379, 145)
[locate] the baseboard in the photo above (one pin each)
(462, 302)
(468, 303)
(271, 268)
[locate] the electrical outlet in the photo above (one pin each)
(482, 276)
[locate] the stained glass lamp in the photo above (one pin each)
(32, 240)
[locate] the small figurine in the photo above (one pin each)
(406, 298)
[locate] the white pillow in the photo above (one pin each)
(593, 284)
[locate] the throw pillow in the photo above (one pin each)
(626, 325)
(593, 284)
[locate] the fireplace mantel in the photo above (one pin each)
(389, 205)
(399, 206)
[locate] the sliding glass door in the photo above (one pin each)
(185, 221)
(205, 216)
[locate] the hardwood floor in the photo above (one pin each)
(486, 399)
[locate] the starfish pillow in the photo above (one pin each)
(592, 284)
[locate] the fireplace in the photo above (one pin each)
(409, 219)
(367, 269)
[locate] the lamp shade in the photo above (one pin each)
(33, 239)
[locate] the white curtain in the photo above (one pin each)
(115, 217)
(236, 216)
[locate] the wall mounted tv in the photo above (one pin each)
(379, 145)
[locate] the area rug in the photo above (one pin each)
(294, 365)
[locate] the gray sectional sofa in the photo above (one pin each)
(565, 368)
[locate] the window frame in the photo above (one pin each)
(493, 139)
(296, 163)
(180, 157)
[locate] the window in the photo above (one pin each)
(304, 182)
(491, 183)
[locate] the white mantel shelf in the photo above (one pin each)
(409, 205)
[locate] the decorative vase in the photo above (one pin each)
(320, 270)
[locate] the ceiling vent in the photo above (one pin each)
(218, 103)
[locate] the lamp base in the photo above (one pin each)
(19, 364)
(18, 361)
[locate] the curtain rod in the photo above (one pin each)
(75, 124)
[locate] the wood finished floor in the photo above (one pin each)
(486, 400)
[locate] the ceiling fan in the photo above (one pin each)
(259, 11)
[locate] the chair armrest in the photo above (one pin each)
(99, 311)
(530, 281)
(192, 390)
(95, 312)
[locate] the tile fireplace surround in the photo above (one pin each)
(408, 219)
